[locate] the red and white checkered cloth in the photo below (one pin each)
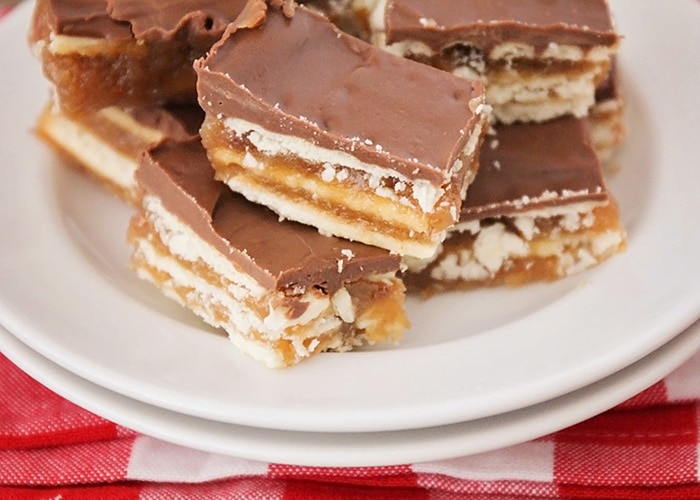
(644, 448)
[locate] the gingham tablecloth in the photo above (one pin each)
(645, 448)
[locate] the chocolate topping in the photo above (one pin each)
(88, 18)
(485, 23)
(527, 166)
(178, 122)
(278, 254)
(141, 19)
(340, 93)
(157, 19)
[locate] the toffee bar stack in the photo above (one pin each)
(537, 211)
(538, 59)
(539, 208)
(125, 53)
(357, 143)
(290, 177)
(280, 289)
(121, 77)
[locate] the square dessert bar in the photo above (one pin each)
(537, 211)
(100, 53)
(282, 291)
(107, 143)
(539, 59)
(327, 130)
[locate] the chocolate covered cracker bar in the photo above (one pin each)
(100, 53)
(539, 59)
(332, 132)
(537, 211)
(107, 143)
(282, 291)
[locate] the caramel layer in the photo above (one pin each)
(551, 255)
(101, 53)
(346, 202)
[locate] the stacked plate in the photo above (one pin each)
(477, 371)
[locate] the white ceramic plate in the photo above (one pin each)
(66, 292)
(358, 449)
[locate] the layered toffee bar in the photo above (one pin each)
(107, 143)
(537, 211)
(327, 130)
(332, 132)
(282, 291)
(100, 53)
(539, 59)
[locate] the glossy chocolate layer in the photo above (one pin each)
(142, 19)
(278, 254)
(158, 19)
(84, 18)
(179, 122)
(303, 77)
(528, 166)
(486, 23)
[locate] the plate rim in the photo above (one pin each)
(376, 449)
